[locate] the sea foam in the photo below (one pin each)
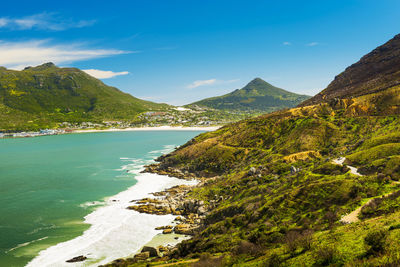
(115, 231)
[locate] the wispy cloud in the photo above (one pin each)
(287, 43)
(17, 55)
(312, 44)
(43, 21)
(104, 74)
(199, 83)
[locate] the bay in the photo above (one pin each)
(49, 184)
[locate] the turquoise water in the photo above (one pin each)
(45, 183)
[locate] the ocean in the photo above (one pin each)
(66, 195)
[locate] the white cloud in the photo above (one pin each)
(312, 44)
(287, 43)
(198, 83)
(104, 74)
(3, 22)
(43, 21)
(17, 55)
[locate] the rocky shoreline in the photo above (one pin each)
(190, 214)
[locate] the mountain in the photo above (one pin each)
(42, 96)
(315, 185)
(374, 72)
(257, 95)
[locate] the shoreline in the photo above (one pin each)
(132, 129)
(113, 225)
(158, 128)
(173, 201)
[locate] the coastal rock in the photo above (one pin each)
(148, 200)
(167, 231)
(153, 252)
(164, 227)
(151, 209)
(165, 169)
(179, 218)
(162, 249)
(142, 256)
(77, 259)
(185, 229)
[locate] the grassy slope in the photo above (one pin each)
(273, 217)
(257, 95)
(44, 95)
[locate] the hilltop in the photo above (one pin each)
(373, 73)
(275, 192)
(257, 95)
(43, 96)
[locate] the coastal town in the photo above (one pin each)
(195, 116)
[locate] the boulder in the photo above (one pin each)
(162, 249)
(153, 252)
(151, 209)
(167, 231)
(293, 170)
(185, 229)
(142, 256)
(201, 210)
(252, 171)
(77, 259)
(164, 227)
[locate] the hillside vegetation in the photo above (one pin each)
(43, 96)
(282, 198)
(258, 95)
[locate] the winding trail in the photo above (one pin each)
(353, 170)
(352, 217)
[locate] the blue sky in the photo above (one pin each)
(181, 51)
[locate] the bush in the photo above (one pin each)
(295, 240)
(376, 241)
(206, 260)
(394, 227)
(273, 260)
(325, 255)
(331, 169)
(248, 248)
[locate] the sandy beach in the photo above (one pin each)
(159, 128)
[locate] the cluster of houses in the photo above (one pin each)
(182, 116)
(33, 134)
(178, 116)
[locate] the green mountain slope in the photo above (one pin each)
(258, 95)
(45, 95)
(278, 198)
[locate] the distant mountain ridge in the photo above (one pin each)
(257, 95)
(45, 95)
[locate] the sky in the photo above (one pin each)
(180, 51)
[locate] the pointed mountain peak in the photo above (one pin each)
(257, 81)
(258, 86)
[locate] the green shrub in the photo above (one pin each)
(375, 240)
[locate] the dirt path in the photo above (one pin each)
(352, 217)
(353, 170)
